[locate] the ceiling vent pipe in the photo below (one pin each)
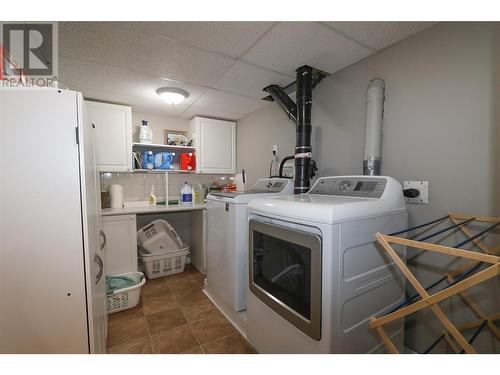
(300, 114)
(373, 132)
(303, 149)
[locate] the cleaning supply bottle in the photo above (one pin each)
(148, 160)
(187, 194)
(197, 194)
(152, 196)
(146, 135)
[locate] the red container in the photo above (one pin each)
(188, 161)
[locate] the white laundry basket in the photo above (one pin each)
(158, 265)
(126, 298)
(161, 250)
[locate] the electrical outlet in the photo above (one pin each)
(275, 149)
(423, 191)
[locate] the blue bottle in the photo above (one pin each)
(148, 160)
(164, 160)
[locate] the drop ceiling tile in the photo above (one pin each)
(230, 38)
(224, 101)
(194, 111)
(379, 35)
(137, 104)
(116, 45)
(96, 77)
(292, 44)
(249, 80)
(165, 110)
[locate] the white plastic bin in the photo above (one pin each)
(159, 237)
(126, 298)
(170, 263)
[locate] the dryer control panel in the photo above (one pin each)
(351, 186)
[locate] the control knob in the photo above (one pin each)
(344, 186)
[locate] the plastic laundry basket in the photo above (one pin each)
(127, 297)
(159, 237)
(161, 249)
(158, 265)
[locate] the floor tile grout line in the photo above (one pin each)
(189, 323)
(168, 329)
(231, 334)
(196, 337)
(191, 276)
(220, 338)
(124, 321)
(149, 334)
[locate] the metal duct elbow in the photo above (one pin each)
(373, 131)
(283, 100)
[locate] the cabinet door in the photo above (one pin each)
(120, 255)
(96, 285)
(113, 125)
(217, 146)
(42, 265)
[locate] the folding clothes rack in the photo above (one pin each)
(484, 265)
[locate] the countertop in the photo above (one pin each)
(149, 209)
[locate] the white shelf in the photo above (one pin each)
(162, 171)
(165, 147)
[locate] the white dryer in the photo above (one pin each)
(316, 275)
(227, 251)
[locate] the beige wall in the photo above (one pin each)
(256, 134)
(157, 125)
(439, 126)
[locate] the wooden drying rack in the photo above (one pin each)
(468, 275)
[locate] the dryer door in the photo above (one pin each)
(285, 273)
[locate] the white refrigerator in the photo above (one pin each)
(52, 284)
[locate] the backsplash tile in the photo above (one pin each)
(136, 186)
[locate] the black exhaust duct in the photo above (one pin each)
(300, 113)
(301, 183)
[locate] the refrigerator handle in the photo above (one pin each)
(103, 235)
(100, 263)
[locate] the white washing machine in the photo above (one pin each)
(227, 251)
(316, 274)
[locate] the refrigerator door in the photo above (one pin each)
(92, 228)
(42, 271)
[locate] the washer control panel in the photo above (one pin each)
(270, 185)
(350, 186)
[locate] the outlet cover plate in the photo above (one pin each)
(422, 187)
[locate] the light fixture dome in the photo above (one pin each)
(172, 95)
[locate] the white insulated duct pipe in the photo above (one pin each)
(373, 131)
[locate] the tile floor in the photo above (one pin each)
(174, 316)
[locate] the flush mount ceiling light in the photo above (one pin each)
(172, 95)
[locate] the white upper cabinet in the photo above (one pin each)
(215, 142)
(113, 140)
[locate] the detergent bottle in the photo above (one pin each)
(187, 194)
(148, 160)
(146, 135)
(152, 196)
